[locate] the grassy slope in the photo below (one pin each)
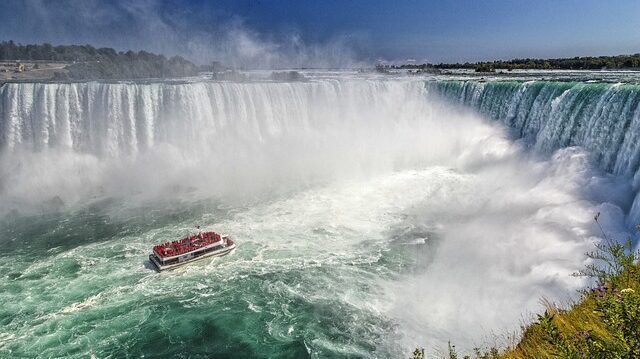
(581, 317)
(605, 323)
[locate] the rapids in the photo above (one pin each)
(371, 216)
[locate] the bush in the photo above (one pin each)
(605, 324)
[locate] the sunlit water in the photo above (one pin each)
(370, 218)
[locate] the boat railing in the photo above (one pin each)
(187, 244)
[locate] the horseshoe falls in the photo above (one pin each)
(371, 212)
(602, 118)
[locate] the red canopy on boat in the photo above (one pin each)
(186, 244)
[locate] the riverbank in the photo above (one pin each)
(604, 324)
(84, 62)
(31, 70)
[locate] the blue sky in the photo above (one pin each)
(433, 31)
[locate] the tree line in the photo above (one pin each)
(88, 62)
(574, 63)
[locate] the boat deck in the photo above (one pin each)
(215, 249)
(187, 244)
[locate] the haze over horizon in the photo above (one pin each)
(332, 33)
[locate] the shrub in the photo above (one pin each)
(605, 324)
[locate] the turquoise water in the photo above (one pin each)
(601, 117)
(370, 218)
(299, 285)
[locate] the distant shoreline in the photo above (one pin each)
(618, 62)
(85, 62)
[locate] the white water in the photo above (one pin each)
(603, 118)
(365, 165)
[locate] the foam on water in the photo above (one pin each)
(369, 216)
(603, 118)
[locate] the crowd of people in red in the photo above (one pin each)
(186, 244)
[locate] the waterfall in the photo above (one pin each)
(345, 193)
(370, 122)
(70, 140)
(113, 119)
(603, 118)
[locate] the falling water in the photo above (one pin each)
(371, 217)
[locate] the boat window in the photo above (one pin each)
(170, 261)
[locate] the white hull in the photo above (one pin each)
(186, 259)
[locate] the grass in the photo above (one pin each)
(605, 323)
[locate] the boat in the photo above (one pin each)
(174, 254)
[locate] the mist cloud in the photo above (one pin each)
(361, 158)
(158, 27)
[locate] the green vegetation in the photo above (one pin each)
(287, 76)
(86, 62)
(605, 324)
(574, 63)
(485, 68)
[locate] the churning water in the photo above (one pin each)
(371, 216)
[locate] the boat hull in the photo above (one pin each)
(217, 253)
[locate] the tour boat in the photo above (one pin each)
(202, 245)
